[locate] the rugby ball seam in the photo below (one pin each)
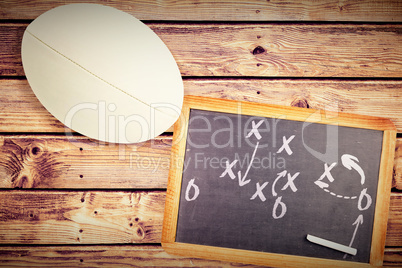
(88, 71)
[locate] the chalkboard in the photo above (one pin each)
(278, 181)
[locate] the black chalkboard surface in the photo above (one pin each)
(278, 181)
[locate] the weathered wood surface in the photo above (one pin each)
(20, 110)
(393, 257)
(78, 217)
(104, 217)
(76, 162)
(121, 256)
(58, 161)
(89, 193)
(10, 52)
(101, 256)
(394, 234)
(295, 50)
(397, 180)
(231, 10)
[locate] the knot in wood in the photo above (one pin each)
(139, 233)
(28, 162)
(135, 198)
(258, 50)
(303, 103)
(34, 150)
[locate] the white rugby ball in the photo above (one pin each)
(102, 72)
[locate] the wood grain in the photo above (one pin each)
(302, 50)
(296, 50)
(397, 181)
(268, 39)
(121, 256)
(78, 217)
(52, 161)
(392, 257)
(102, 256)
(231, 10)
(10, 52)
(394, 232)
(20, 110)
(104, 217)
(358, 97)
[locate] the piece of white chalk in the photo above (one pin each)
(330, 244)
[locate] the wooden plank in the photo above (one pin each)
(397, 180)
(123, 256)
(103, 217)
(78, 217)
(51, 161)
(20, 110)
(266, 50)
(230, 10)
(10, 53)
(393, 257)
(394, 231)
(358, 97)
(96, 256)
(63, 162)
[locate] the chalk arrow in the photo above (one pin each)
(242, 180)
(280, 175)
(349, 162)
(357, 222)
(321, 184)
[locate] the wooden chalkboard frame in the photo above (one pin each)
(291, 113)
